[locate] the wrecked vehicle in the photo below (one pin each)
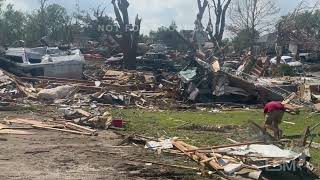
(286, 60)
(150, 61)
(296, 66)
(155, 61)
(44, 61)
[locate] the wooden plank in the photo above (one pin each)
(80, 128)
(14, 132)
(183, 149)
(289, 98)
(82, 112)
(287, 122)
(62, 130)
(227, 146)
(72, 93)
(199, 157)
(235, 145)
(3, 126)
(168, 165)
(212, 163)
(305, 135)
(42, 78)
(18, 128)
(26, 121)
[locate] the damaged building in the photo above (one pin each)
(44, 61)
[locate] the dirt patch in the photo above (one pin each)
(55, 155)
(51, 155)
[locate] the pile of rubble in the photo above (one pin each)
(204, 80)
(253, 159)
(20, 126)
(243, 160)
(200, 83)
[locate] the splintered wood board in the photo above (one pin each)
(12, 131)
(26, 121)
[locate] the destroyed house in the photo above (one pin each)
(45, 61)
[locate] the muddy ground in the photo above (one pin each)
(54, 155)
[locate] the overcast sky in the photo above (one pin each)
(154, 13)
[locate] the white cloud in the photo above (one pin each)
(156, 13)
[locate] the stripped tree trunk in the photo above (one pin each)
(220, 10)
(202, 7)
(130, 34)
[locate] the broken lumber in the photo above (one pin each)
(15, 132)
(80, 128)
(2, 126)
(162, 164)
(18, 128)
(212, 163)
(53, 79)
(184, 149)
(227, 146)
(4, 129)
(72, 93)
(234, 145)
(199, 157)
(84, 113)
(26, 121)
(289, 98)
(305, 135)
(314, 145)
(62, 130)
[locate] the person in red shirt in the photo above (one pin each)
(273, 112)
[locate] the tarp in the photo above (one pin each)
(261, 151)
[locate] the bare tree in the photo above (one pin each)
(202, 8)
(43, 17)
(220, 8)
(253, 16)
(288, 29)
(129, 33)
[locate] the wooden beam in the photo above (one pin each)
(84, 113)
(80, 128)
(199, 157)
(62, 130)
(184, 150)
(169, 165)
(233, 145)
(15, 132)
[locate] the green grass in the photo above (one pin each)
(164, 124)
